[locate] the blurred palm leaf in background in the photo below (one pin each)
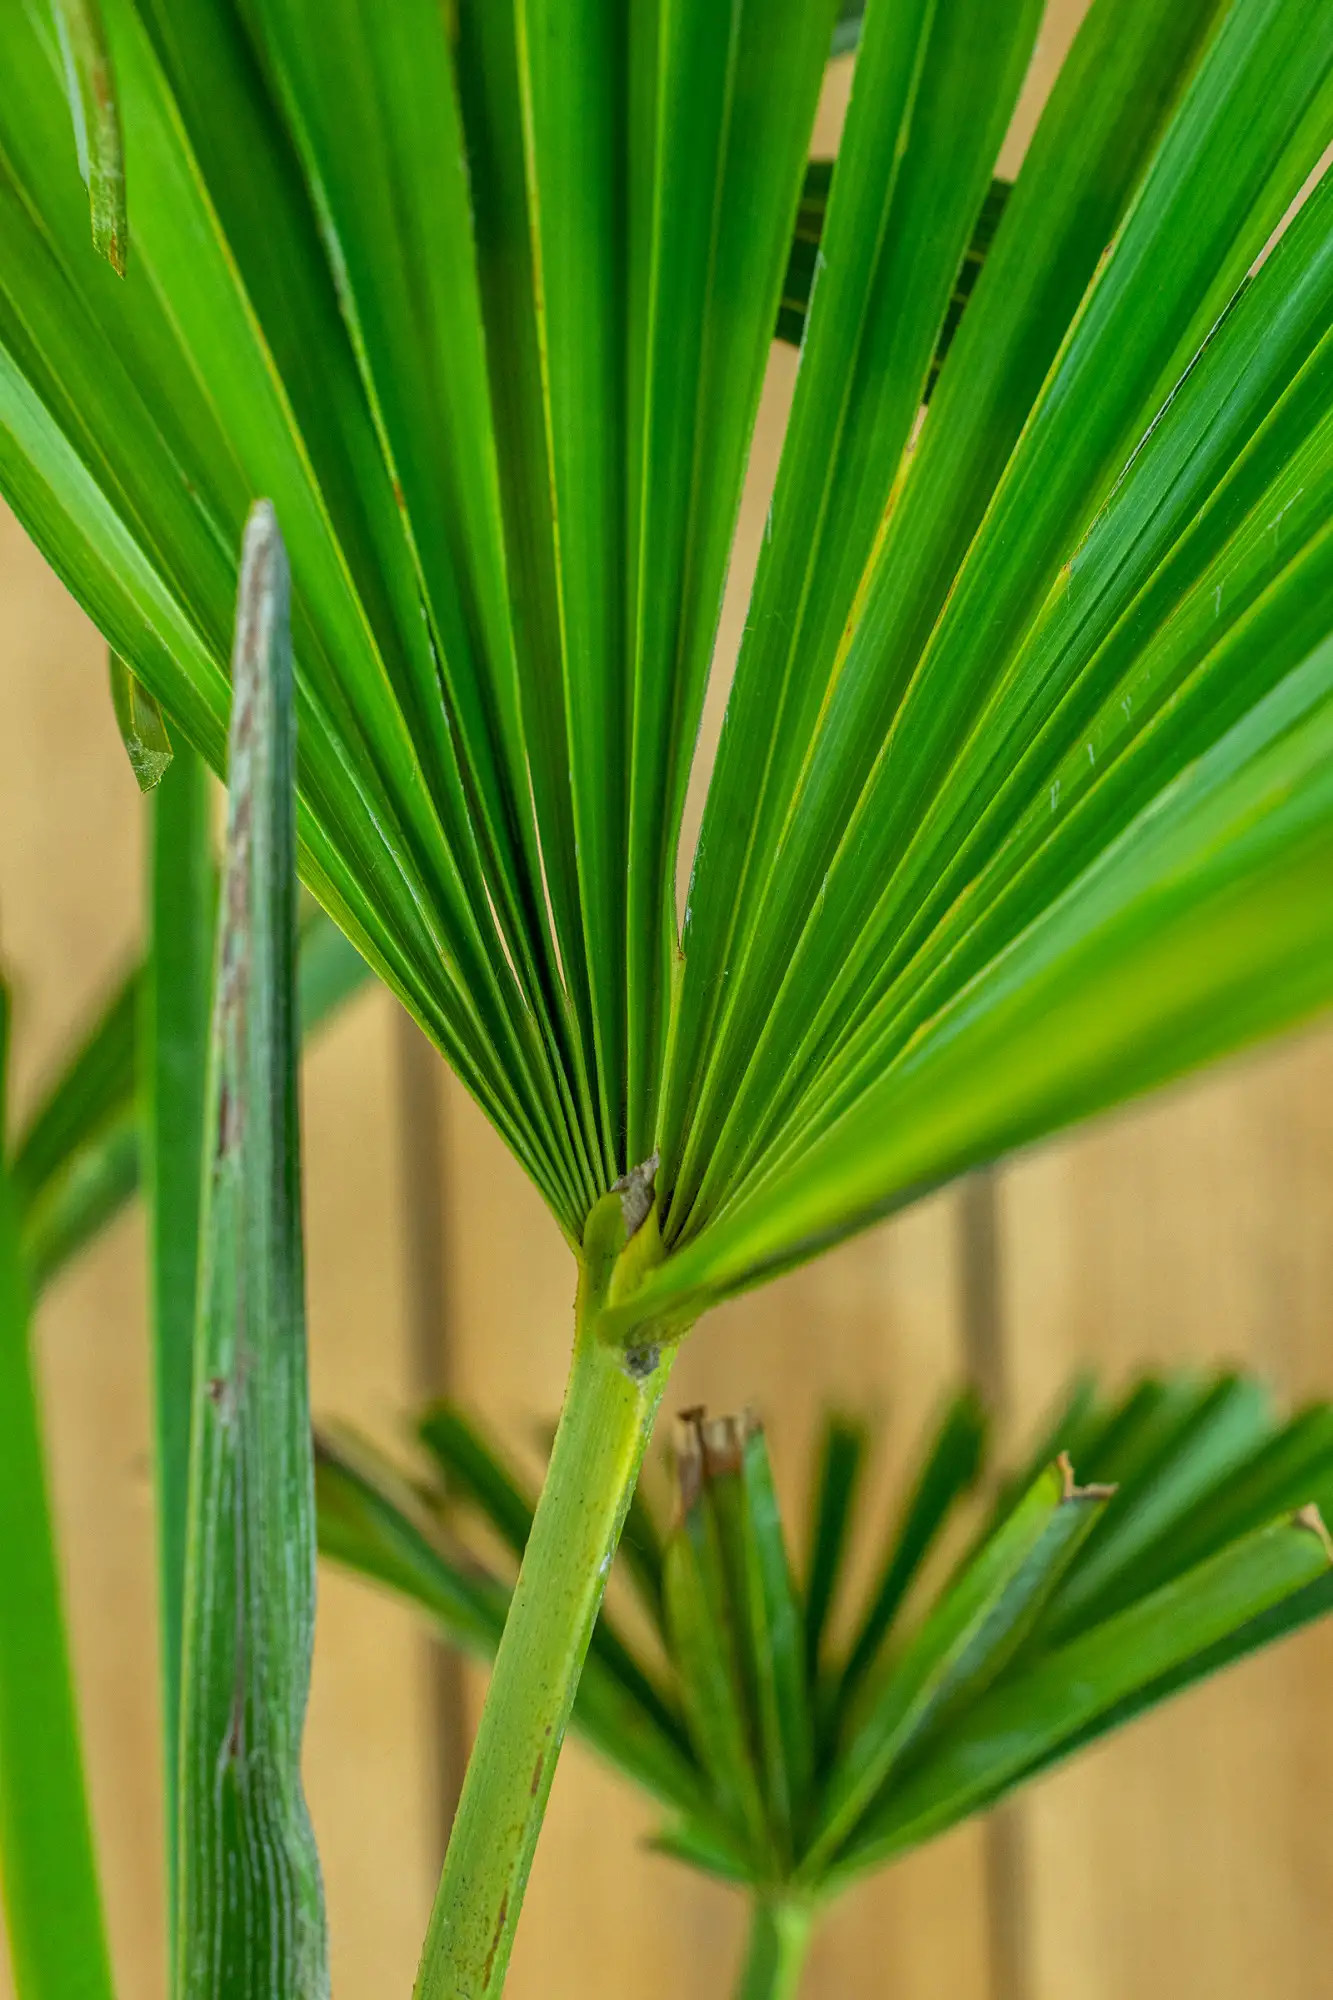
(1022, 802)
(793, 1757)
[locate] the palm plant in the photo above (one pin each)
(792, 1757)
(1023, 799)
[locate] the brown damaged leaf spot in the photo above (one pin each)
(535, 1787)
(500, 1922)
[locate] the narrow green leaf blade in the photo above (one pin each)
(372, 101)
(950, 1468)
(1067, 748)
(90, 83)
(366, 1524)
(1248, 94)
(802, 263)
(94, 1091)
(472, 1467)
(1234, 1420)
(177, 987)
(1022, 1726)
(964, 1644)
(722, 100)
(251, 1917)
(48, 1876)
(842, 1454)
(1293, 1467)
(1098, 130)
(777, 1640)
(932, 93)
(1206, 923)
(702, 1622)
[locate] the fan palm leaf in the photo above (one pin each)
(1023, 798)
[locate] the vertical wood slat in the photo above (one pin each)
(1192, 1856)
(426, 1256)
(1005, 1840)
(70, 860)
(371, 1790)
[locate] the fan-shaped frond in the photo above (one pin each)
(1019, 804)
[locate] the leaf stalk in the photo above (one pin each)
(781, 1929)
(610, 1404)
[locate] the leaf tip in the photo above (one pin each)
(1309, 1517)
(142, 726)
(1072, 1489)
(91, 93)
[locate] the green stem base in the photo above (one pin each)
(780, 1935)
(604, 1428)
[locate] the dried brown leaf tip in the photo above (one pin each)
(1310, 1517)
(1072, 1489)
(724, 1442)
(688, 1452)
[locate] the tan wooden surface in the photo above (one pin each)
(1193, 1857)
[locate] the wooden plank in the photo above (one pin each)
(1192, 1856)
(69, 913)
(370, 1786)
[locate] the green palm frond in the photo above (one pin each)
(1194, 1540)
(1024, 796)
(1019, 804)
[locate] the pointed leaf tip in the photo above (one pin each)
(142, 726)
(1311, 1518)
(91, 90)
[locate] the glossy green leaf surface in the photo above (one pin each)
(708, 1635)
(250, 1917)
(484, 301)
(972, 1633)
(931, 82)
(837, 1480)
(951, 1466)
(1059, 1698)
(91, 87)
(177, 992)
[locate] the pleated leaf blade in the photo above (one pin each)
(251, 1914)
